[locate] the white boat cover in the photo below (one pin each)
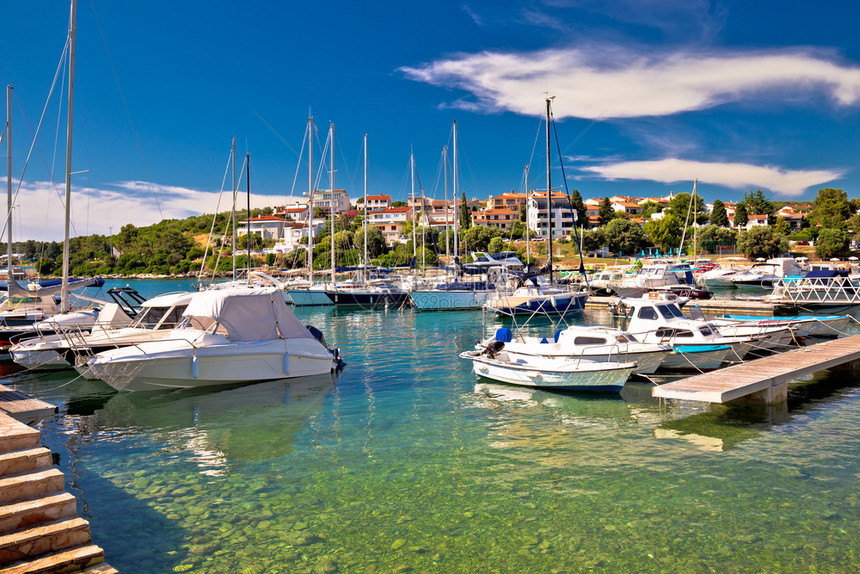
(248, 314)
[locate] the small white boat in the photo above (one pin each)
(820, 326)
(311, 296)
(225, 337)
(599, 344)
(548, 373)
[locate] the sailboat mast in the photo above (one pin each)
(235, 227)
(447, 231)
(311, 200)
(528, 239)
(248, 185)
(412, 172)
(331, 196)
(695, 213)
(456, 198)
(9, 186)
(365, 208)
(64, 297)
(549, 184)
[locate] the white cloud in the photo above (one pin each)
(733, 175)
(603, 82)
(39, 211)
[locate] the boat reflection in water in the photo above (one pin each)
(220, 425)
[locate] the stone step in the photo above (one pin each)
(40, 540)
(72, 560)
(16, 436)
(101, 569)
(26, 460)
(31, 486)
(35, 512)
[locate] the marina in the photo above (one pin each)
(341, 471)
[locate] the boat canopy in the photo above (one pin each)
(248, 314)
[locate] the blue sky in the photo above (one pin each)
(650, 94)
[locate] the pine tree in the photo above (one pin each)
(606, 213)
(465, 216)
(741, 217)
(718, 214)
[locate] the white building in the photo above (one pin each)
(325, 199)
(538, 215)
(390, 222)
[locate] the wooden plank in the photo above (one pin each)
(740, 380)
(24, 408)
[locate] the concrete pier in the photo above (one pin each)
(762, 380)
(40, 531)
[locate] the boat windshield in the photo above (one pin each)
(664, 310)
(159, 317)
(675, 311)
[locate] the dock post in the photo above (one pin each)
(772, 395)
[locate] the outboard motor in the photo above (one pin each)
(494, 348)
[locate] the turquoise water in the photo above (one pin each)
(403, 463)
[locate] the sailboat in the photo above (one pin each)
(368, 292)
(310, 295)
(26, 312)
(526, 299)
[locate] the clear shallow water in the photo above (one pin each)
(404, 463)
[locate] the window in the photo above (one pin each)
(667, 314)
(676, 311)
(705, 331)
(665, 332)
(648, 313)
(589, 341)
(683, 333)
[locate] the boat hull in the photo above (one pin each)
(583, 378)
(145, 369)
(543, 304)
(681, 361)
(309, 297)
(366, 299)
(434, 300)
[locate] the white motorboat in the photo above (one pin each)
(225, 337)
(766, 274)
(453, 296)
(113, 329)
(656, 320)
(548, 373)
(720, 276)
(582, 342)
(653, 277)
(540, 299)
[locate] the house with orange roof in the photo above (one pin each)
(391, 222)
(377, 202)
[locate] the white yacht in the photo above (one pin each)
(225, 336)
(766, 274)
(113, 329)
(654, 276)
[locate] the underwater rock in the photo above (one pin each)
(325, 566)
(397, 544)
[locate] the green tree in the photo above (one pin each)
(593, 239)
(741, 215)
(375, 241)
(496, 245)
(831, 243)
(718, 214)
(781, 226)
(761, 241)
(578, 206)
(757, 203)
(830, 209)
(680, 206)
(624, 236)
(478, 238)
(666, 231)
(650, 207)
(711, 237)
(605, 214)
(465, 216)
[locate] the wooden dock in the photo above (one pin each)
(762, 380)
(24, 408)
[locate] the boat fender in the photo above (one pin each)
(286, 363)
(552, 301)
(195, 367)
